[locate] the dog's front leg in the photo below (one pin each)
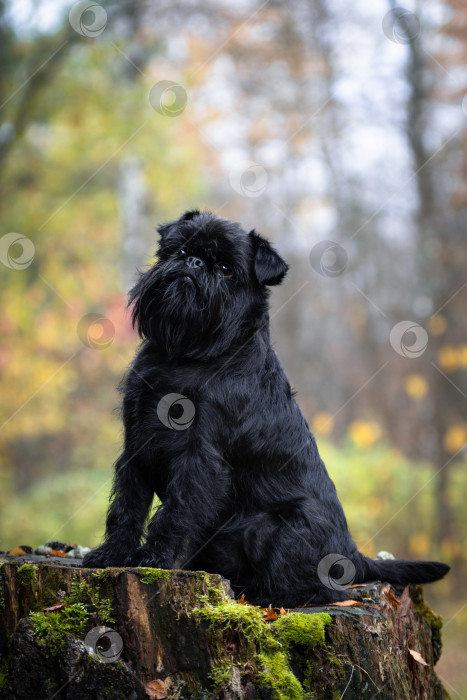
(193, 501)
(131, 500)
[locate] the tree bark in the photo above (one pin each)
(180, 634)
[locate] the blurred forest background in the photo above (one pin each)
(338, 130)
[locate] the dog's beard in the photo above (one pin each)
(190, 315)
(183, 311)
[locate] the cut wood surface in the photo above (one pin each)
(68, 633)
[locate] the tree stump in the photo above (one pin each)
(69, 633)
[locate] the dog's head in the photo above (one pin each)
(208, 288)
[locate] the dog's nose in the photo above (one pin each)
(194, 262)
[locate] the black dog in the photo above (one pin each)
(212, 428)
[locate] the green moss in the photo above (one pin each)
(150, 575)
(216, 592)
(434, 620)
(26, 574)
(337, 666)
(52, 582)
(51, 628)
(83, 601)
(246, 619)
(269, 643)
(274, 670)
(84, 592)
(222, 673)
(302, 629)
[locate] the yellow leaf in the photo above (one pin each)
(437, 325)
(419, 544)
(455, 437)
(416, 386)
(364, 433)
(322, 424)
(448, 358)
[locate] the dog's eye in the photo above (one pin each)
(225, 269)
(182, 253)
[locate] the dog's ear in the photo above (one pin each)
(164, 229)
(188, 215)
(268, 265)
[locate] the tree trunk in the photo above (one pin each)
(71, 633)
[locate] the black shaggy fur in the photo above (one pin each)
(243, 490)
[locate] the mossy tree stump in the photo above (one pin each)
(180, 634)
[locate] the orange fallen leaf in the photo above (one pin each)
(282, 611)
(56, 553)
(347, 603)
(156, 690)
(418, 657)
(57, 606)
(17, 552)
(390, 596)
(270, 614)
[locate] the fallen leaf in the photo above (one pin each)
(17, 552)
(418, 657)
(282, 611)
(156, 690)
(57, 606)
(390, 596)
(56, 553)
(270, 615)
(347, 603)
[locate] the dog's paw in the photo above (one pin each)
(103, 556)
(147, 557)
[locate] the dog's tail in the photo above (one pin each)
(401, 571)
